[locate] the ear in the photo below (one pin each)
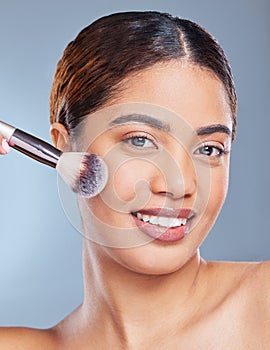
(60, 137)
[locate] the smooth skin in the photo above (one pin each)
(162, 295)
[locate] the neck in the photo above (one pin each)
(137, 303)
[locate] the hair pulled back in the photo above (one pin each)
(104, 53)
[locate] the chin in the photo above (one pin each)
(153, 258)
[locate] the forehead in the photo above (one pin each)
(180, 96)
(191, 92)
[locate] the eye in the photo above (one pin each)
(210, 151)
(140, 141)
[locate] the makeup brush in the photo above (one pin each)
(85, 173)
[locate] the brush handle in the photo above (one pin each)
(35, 148)
(30, 145)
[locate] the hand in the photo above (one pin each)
(4, 147)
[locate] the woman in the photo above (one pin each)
(154, 96)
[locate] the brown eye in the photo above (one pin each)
(210, 151)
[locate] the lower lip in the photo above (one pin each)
(161, 233)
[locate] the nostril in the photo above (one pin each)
(165, 193)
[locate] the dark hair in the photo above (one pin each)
(107, 51)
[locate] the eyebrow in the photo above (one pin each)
(158, 124)
(141, 118)
(211, 129)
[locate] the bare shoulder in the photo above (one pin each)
(242, 271)
(262, 284)
(258, 291)
(239, 311)
(247, 282)
(264, 273)
(20, 338)
(254, 277)
(257, 281)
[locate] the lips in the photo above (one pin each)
(164, 224)
(168, 212)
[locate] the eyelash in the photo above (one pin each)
(221, 151)
(131, 138)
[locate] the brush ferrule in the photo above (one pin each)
(6, 130)
(30, 145)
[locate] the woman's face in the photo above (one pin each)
(166, 143)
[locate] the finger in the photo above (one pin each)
(4, 147)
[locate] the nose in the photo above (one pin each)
(174, 175)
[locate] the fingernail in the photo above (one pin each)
(5, 146)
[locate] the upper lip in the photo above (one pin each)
(183, 213)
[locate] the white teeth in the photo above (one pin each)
(145, 218)
(139, 216)
(183, 221)
(154, 220)
(176, 222)
(166, 222)
(161, 220)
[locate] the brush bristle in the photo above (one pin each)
(86, 174)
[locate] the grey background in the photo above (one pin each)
(40, 252)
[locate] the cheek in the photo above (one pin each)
(219, 188)
(212, 201)
(130, 179)
(127, 188)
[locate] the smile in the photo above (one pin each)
(163, 221)
(164, 224)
